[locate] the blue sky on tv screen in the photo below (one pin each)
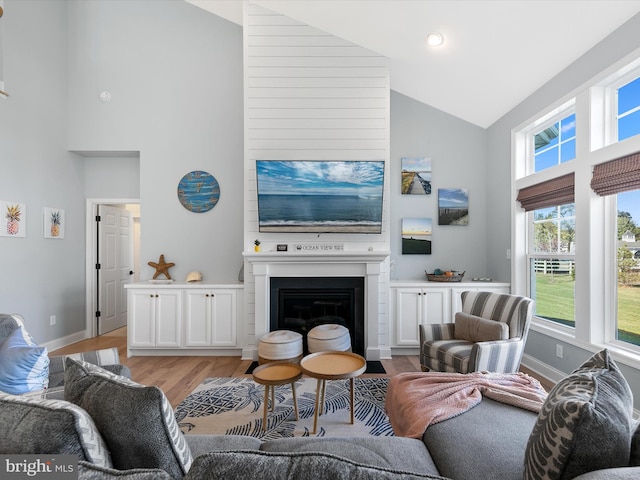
(281, 177)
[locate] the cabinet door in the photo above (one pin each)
(141, 331)
(408, 311)
(436, 305)
(168, 318)
(223, 318)
(197, 318)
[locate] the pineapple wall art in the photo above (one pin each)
(53, 223)
(14, 219)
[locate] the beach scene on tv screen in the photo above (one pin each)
(320, 196)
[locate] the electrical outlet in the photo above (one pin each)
(52, 320)
(559, 351)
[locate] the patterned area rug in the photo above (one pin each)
(234, 406)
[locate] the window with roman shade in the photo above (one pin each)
(557, 191)
(616, 176)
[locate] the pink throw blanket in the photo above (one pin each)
(416, 400)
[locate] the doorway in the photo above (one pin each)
(113, 260)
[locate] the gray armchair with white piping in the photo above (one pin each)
(488, 335)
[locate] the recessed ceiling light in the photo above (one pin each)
(435, 39)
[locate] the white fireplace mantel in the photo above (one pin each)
(366, 264)
(343, 256)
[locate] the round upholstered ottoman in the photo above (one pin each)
(328, 337)
(279, 346)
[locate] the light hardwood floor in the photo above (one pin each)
(178, 376)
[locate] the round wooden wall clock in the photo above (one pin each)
(198, 191)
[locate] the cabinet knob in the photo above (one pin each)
(157, 295)
(206, 294)
(151, 295)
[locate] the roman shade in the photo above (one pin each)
(619, 175)
(557, 191)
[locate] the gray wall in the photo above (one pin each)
(112, 177)
(175, 75)
(40, 277)
(458, 152)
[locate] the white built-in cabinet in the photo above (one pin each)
(182, 318)
(207, 318)
(417, 303)
(154, 318)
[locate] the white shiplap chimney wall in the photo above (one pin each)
(310, 96)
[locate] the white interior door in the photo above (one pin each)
(115, 266)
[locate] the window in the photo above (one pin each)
(575, 253)
(628, 112)
(552, 263)
(555, 144)
(627, 327)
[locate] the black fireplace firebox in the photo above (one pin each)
(301, 303)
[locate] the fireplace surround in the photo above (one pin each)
(304, 265)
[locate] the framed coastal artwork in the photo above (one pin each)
(416, 176)
(14, 215)
(453, 206)
(416, 236)
(54, 223)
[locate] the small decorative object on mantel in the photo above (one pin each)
(439, 275)
(161, 267)
(319, 247)
(256, 248)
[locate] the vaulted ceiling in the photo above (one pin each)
(495, 53)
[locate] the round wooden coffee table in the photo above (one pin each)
(276, 373)
(332, 366)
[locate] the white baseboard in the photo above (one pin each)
(65, 341)
(540, 368)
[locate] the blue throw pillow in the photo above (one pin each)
(24, 366)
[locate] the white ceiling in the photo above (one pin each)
(496, 52)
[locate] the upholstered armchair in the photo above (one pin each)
(488, 335)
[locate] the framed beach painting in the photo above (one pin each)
(15, 219)
(54, 223)
(416, 176)
(453, 206)
(416, 236)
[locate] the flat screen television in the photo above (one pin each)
(320, 196)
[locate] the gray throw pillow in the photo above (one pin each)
(35, 426)
(585, 423)
(89, 471)
(136, 422)
(634, 457)
(243, 465)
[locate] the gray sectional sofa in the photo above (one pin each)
(120, 429)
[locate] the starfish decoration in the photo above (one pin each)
(161, 267)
